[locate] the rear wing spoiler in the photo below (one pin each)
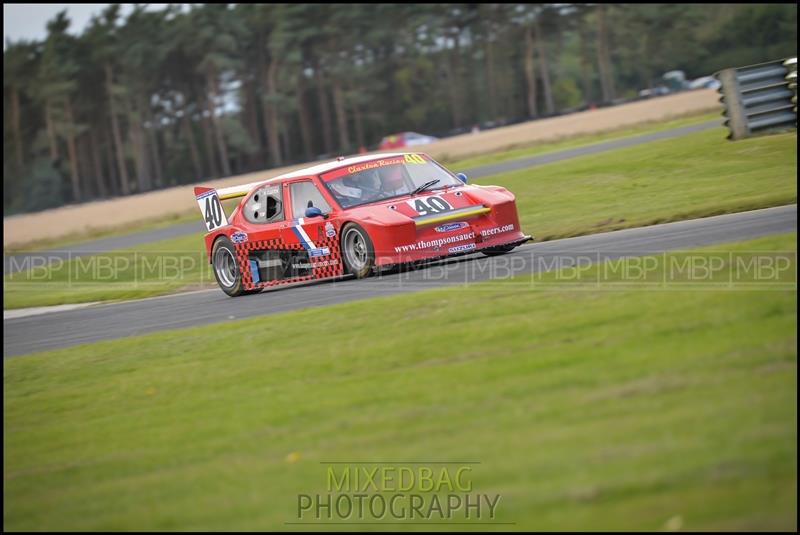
(233, 192)
(209, 201)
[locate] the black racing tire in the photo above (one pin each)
(499, 250)
(358, 253)
(226, 268)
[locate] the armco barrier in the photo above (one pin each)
(759, 98)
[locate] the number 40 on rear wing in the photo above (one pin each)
(210, 207)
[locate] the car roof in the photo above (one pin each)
(244, 190)
(313, 170)
(335, 164)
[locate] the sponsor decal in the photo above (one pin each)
(414, 158)
(329, 230)
(435, 244)
(239, 237)
(272, 191)
(374, 164)
(496, 230)
(321, 251)
(461, 248)
(447, 227)
(320, 264)
(205, 194)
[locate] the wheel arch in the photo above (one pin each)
(211, 240)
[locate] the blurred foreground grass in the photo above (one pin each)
(691, 176)
(591, 408)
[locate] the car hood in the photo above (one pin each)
(402, 209)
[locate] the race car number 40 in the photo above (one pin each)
(213, 213)
(430, 205)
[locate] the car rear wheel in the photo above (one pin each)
(226, 268)
(357, 251)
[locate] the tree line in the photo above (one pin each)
(158, 98)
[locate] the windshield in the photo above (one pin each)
(377, 180)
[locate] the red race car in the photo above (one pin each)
(352, 216)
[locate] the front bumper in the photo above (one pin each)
(388, 262)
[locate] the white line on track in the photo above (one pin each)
(36, 311)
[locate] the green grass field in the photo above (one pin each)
(595, 408)
(570, 142)
(691, 176)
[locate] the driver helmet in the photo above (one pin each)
(392, 178)
(346, 188)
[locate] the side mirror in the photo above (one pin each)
(313, 211)
(462, 177)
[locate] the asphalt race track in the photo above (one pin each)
(14, 263)
(101, 322)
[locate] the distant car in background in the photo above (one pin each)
(655, 91)
(405, 139)
(704, 82)
(675, 81)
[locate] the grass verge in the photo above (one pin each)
(515, 151)
(587, 408)
(695, 175)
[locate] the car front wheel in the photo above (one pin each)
(357, 251)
